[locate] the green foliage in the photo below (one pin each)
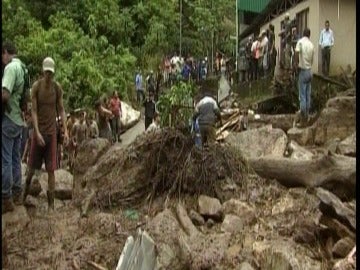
(175, 106)
(97, 45)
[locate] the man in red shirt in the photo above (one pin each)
(115, 108)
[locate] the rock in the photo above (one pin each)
(63, 184)
(232, 224)
(332, 206)
(332, 145)
(208, 251)
(232, 254)
(282, 254)
(104, 165)
(342, 247)
(165, 230)
(35, 186)
(30, 201)
(351, 92)
(303, 136)
(165, 257)
(209, 207)
(16, 219)
(344, 264)
(88, 153)
(240, 209)
(245, 266)
(285, 204)
(129, 116)
(298, 152)
(337, 120)
(196, 218)
(337, 227)
(259, 142)
(210, 223)
(348, 146)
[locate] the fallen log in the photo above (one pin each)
(230, 122)
(329, 80)
(321, 170)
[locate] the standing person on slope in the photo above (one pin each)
(47, 102)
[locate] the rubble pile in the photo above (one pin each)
(163, 163)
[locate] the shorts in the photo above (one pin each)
(48, 153)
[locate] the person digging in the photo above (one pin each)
(207, 112)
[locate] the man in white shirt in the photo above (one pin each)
(303, 60)
(263, 53)
(326, 42)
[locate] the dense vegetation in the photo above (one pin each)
(97, 45)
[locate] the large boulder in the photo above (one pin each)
(88, 153)
(347, 147)
(129, 116)
(232, 224)
(337, 120)
(210, 207)
(63, 184)
(303, 136)
(259, 142)
(180, 245)
(241, 209)
(298, 152)
(283, 254)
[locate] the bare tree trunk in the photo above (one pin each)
(319, 171)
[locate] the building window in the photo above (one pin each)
(302, 19)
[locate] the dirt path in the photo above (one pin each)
(129, 136)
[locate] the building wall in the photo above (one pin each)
(313, 24)
(344, 28)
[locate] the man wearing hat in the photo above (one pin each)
(47, 105)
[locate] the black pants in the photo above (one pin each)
(115, 128)
(140, 96)
(148, 121)
(254, 69)
(325, 53)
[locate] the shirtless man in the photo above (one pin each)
(79, 130)
(93, 130)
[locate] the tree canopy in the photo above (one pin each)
(98, 45)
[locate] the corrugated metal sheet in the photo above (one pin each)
(252, 5)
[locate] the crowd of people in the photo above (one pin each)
(43, 133)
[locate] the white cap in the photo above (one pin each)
(287, 15)
(49, 64)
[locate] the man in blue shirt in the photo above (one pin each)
(326, 42)
(139, 88)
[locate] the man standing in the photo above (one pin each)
(115, 108)
(264, 64)
(206, 113)
(47, 102)
(12, 127)
(255, 52)
(286, 39)
(272, 50)
(326, 42)
(303, 60)
(149, 105)
(139, 87)
(249, 59)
